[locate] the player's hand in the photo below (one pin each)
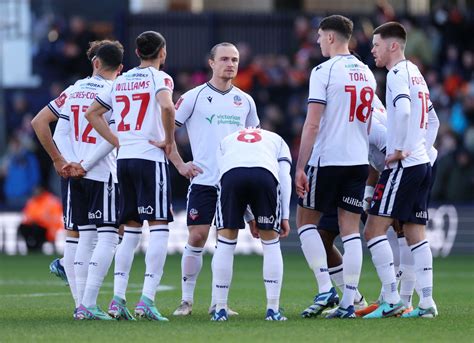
(366, 204)
(253, 229)
(284, 228)
(301, 183)
(396, 156)
(73, 169)
(165, 145)
(59, 163)
(189, 170)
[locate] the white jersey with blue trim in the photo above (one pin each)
(82, 136)
(252, 148)
(137, 113)
(210, 115)
(378, 136)
(346, 87)
(404, 81)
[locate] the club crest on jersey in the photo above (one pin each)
(60, 100)
(193, 214)
(237, 100)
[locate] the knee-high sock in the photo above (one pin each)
(337, 278)
(155, 259)
(100, 263)
(85, 248)
(222, 267)
(383, 261)
(406, 273)
(424, 272)
(191, 264)
(69, 255)
(124, 259)
(315, 254)
(352, 261)
(272, 272)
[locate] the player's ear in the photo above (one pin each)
(136, 53)
(96, 63)
(119, 69)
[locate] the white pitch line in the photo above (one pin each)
(161, 288)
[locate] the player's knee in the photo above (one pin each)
(197, 238)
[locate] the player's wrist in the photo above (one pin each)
(369, 191)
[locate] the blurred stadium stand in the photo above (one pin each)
(43, 43)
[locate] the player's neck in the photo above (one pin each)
(395, 59)
(145, 64)
(343, 50)
(221, 84)
(106, 75)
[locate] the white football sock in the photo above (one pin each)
(222, 268)
(383, 261)
(424, 272)
(85, 248)
(352, 261)
(191, 264)
(100, 263)
(315, 254)
(406, 273)
(272, 272)
(70, 248)
(337, 277)
(155, 259)
(124, 259)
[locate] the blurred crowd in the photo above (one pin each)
(441, 44)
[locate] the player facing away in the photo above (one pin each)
(40, 124)
(254, 169)
(94, 198)
(210, 112)
(403, 188)
(334, 150)
(143, 110)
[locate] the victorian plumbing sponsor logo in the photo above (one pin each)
(441, 229)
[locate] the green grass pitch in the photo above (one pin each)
(35, 306)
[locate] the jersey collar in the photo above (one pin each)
(218, 90)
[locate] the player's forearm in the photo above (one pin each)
(95, 117)
(373, 177)
(308, 137)
(40, 124)
(402, 119)
(175, 157)
(102, 150)
(168, 120)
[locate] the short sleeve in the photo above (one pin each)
(105, 97)
(163, 81)
(252, 118)
(284, 153)
(57, 105)
(184, 107)
(318, 82)
(399, 87)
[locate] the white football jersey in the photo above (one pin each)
(137, 113)
(252, 148)
(210, 115)
(404, 80)
(346, 86)
(378, 136)
(83, 137)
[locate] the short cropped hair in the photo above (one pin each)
(212, 53)
(95, 45)
(392, 29)
(149, 44)
(111, 55)
(338, 23)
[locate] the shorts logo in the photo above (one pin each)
(237, 100)
(145, 210)
(193, 214)
(422, 215)
(265, 220)
(95, 215)
(352, 201)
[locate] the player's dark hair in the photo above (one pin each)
(212, 53)
(392, 29)
(111, 55)
(94, 46)
(338, 23)
(149, 44)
